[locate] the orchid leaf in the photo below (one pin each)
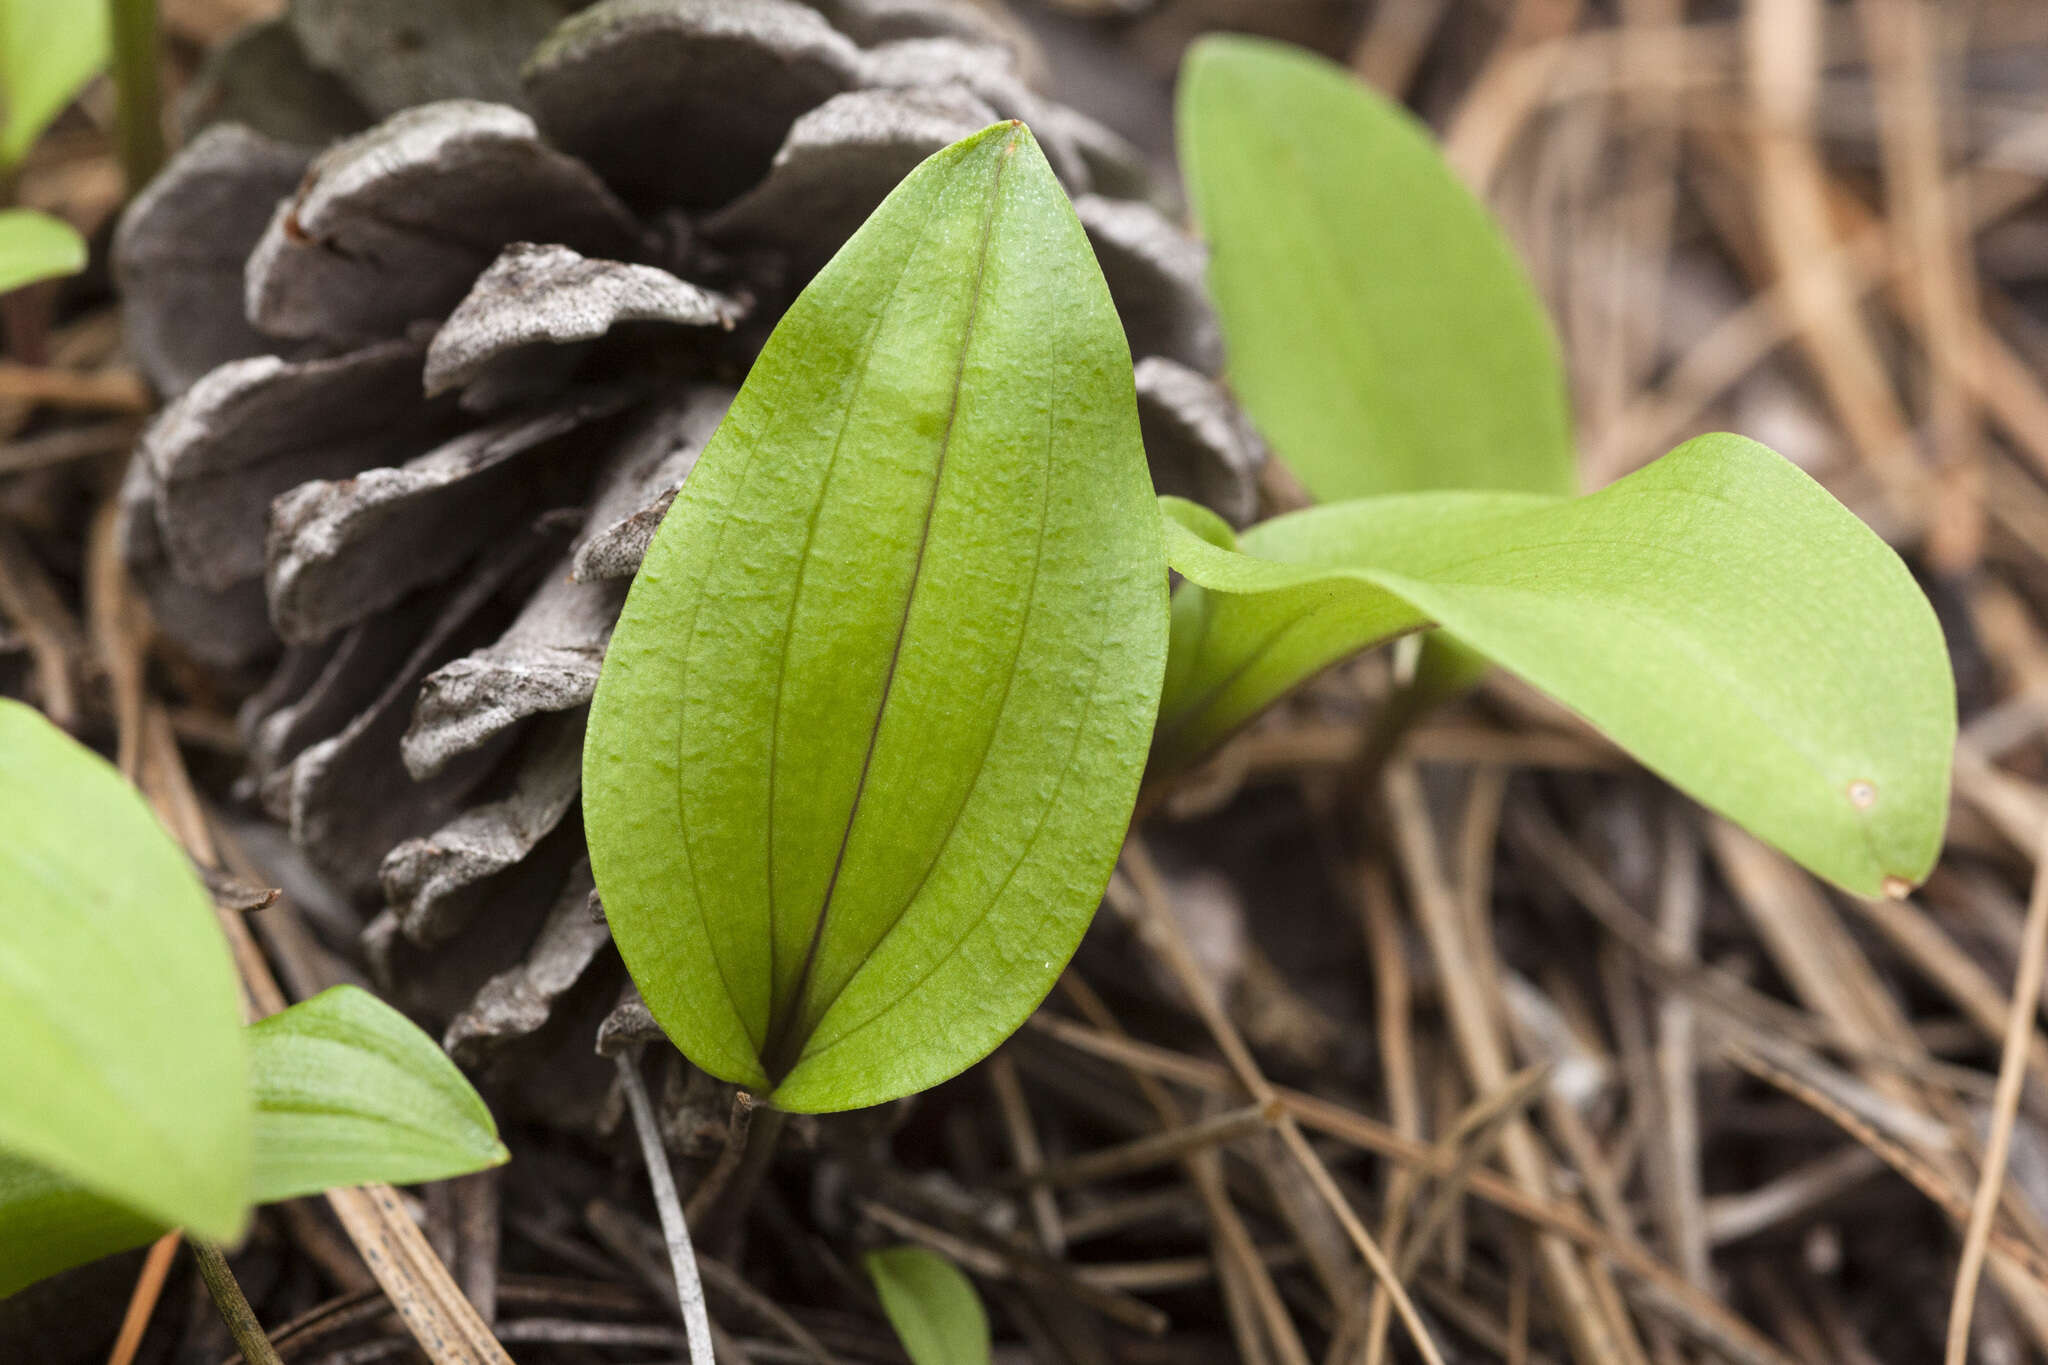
(1378, 327)
(123, 1066)
(34, 246)
(346, 1090)
(1716, 613)
(49, 1223)
(933, 1307)
(869, 731)
(48, 49)
(349, 1091)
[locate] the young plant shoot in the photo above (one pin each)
(871, 726)
(932, 1305)
(868, 735)
(1717, 614)
(131, 1098)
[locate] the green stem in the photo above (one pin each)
(139, 131)
(250, 1338)
(1444, 671)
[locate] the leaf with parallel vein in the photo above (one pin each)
(1716, 613)
(871, 725)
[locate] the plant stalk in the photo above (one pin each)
(682, 1257)
(250, 1338)
(764, 1134)
(138, 118)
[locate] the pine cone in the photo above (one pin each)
(432, 388)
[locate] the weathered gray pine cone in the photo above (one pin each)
(446, 299)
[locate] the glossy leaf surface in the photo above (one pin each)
(349, 1091)
(1717, 614)
(933, 1307)
(48, 49)
(123, 1066)
(34, 246)
(1379, 329)
(869, 731)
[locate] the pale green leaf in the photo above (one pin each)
(123, 1066)
(48, 49)
(48, 1224)
(349, 1091)
(870, 729)
(933, 1307)
(1378, 327)
(1717, 614)
(34, 246)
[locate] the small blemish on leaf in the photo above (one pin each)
(1897, 888)
(1862, 794)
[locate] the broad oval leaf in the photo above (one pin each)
(48, 49)
(1379, 329)
(123, 1066)
(1716, 613)
(34, 246)
(933, 1307)
(870, 729)
(349, 1091)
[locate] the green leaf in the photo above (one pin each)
(1717, 614)
(869, 732)
(932, 1306)
(1379, 329)
(123, 1066)
(349, 1091)
(346, 1091)
(48, 1224)
(48, 49)
(34, 246)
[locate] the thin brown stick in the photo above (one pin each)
(1392, 1001)
(1791, 207)
(1393, 44)
(1257, 1313)
(1901, 1159)
(2012, 1073)
(1162, 933)
(1008, 1263)
(149, 1287)
(1471, 1141)
(1676, 1163)
(1025, 1150)
(1713, 1320)
(97, 391)
(1154, 1149)
(1903, 36)
(414, 1279)
(739, 1127)
(1482, 1049)
(67, 443)
(1731, 1217)
(57, 645)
